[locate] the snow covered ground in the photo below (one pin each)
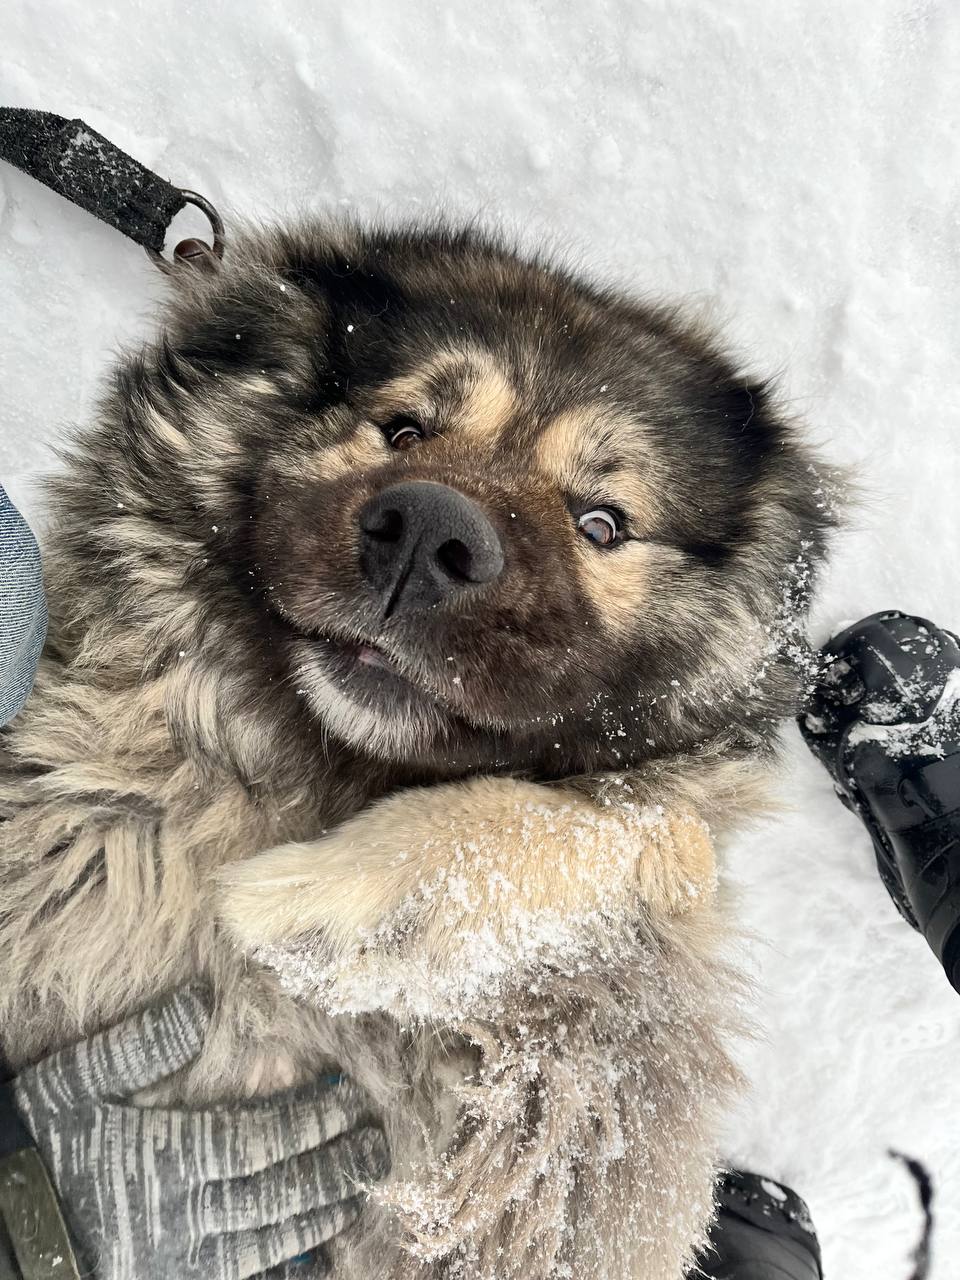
(793, 166)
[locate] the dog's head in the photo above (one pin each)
(458, 506)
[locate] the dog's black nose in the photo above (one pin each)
(421, 543)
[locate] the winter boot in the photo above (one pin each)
(884, 719)
(762, 1232)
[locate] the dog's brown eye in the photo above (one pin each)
(600, 526)
(403, 433)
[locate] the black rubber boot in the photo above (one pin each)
(762, 1232)
(884, 719)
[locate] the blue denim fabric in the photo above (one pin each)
(23, 609)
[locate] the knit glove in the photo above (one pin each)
(222, 1192)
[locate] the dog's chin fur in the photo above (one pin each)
(562, 1120)
(398, 733)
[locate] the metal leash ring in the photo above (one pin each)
(193, 252)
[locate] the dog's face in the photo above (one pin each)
(464, 508)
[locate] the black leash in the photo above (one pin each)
(83, 166)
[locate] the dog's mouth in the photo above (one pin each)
(357, 662)
(362, 659)
(362, 667)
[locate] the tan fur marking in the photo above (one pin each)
(165, 430)
(412, 391)
(564, 447)
(359, 453)
(632, 491)
(617, 582)
(258, 384)
(572, 447)
(490, 402)
(485, 404)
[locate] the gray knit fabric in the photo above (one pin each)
(23, 609)
(222, 1193)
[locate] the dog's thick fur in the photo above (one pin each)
(486, 882)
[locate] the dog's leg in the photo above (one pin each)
(479, 843)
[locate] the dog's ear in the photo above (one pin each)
(243, 321)
(310, 313)
(743, 408)
(757, 428)
(810, 491)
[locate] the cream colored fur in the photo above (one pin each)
(562, 1115)
(526, 923)
(498, 843)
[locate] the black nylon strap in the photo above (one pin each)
(14, 1135)
(85, 167)
(13, 1132)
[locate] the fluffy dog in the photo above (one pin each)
(450, 600)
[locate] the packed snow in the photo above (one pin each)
(791, 169)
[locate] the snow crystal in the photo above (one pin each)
(922, 738)
(391, 966)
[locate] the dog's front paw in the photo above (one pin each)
(481, 876)
(339, 887)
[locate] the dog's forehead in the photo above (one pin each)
(462, 386)
(571, 429)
